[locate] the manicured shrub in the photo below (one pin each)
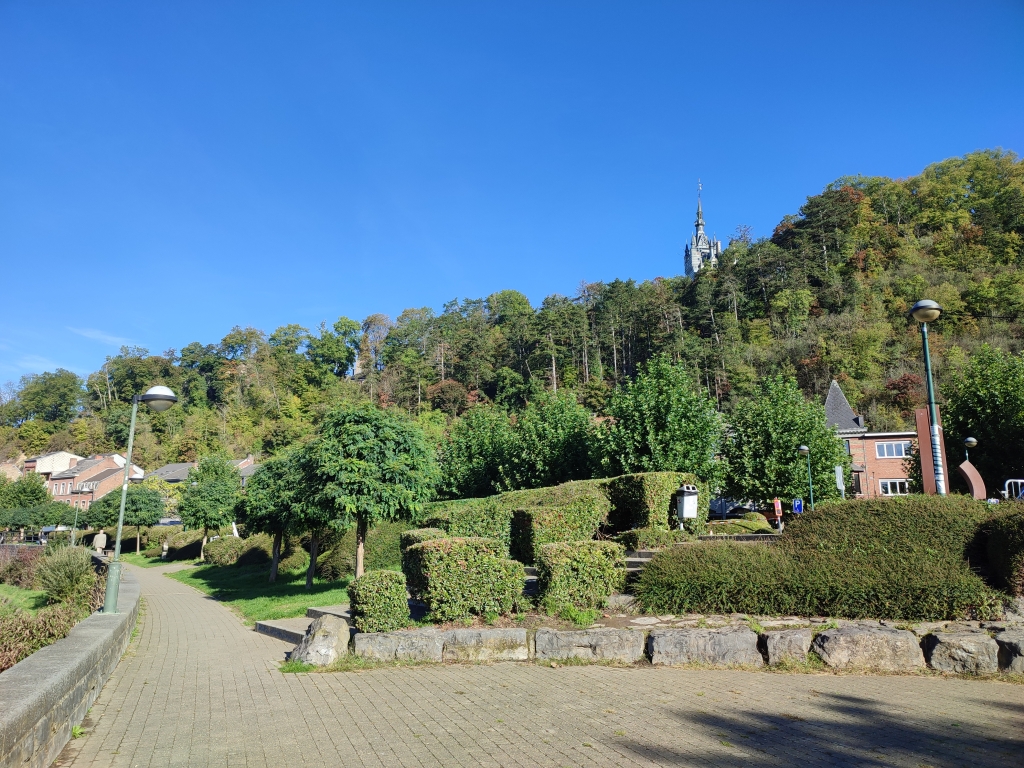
(738, 527)
(419, 535)
(19, 568)
(486, 518)
(67, 575)
(183, 545)
(648, 500)
(457, 577)
(652, 538)
(295, 560)
(533, 527)
(581, 574)
(1006, 548)
(378, 601)
(904, 558)
(224, 551)
(383, 551)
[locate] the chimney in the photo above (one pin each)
(72, 463)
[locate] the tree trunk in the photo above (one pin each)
(360, 545)
(202, 547)
(314, 550)
(138, 538)
(275, 556)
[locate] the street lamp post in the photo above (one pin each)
(805, 451)
(158, 399)
(969, 442)
(927, 311)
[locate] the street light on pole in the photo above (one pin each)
(803, 450)
(927, 311)
(158, 399)
(969, 442)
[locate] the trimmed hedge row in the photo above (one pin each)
(904, 558)
(524, 520)
(382, 551)
(458, 577)
(581, 574)
(534, 527)
(1006, 549)
(652, 538)
(378, 601)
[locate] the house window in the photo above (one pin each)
(895, 450)
(893, 487)
(847, 442)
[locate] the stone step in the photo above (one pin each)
(341, 611)
(289, 630)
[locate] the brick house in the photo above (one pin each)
(49, 464)
(878, 458)
(85, 481)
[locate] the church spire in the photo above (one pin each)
(699, 223)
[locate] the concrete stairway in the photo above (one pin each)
(293, 630)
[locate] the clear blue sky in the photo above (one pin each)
(171, 169)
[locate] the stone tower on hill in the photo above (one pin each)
(702, 251)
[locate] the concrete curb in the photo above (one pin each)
(43, 696)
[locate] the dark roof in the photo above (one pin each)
(173, 473)
(76, 470)
(92, 482)
(838, 412)
(247, 471)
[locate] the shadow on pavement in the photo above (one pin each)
(852, 731)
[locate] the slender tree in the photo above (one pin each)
(210, 499)
(272, 503)
(142, 507)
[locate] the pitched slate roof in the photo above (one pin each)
(173, 473)
(839, 414)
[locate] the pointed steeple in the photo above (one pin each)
(699, 223)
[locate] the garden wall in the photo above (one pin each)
(43, 696)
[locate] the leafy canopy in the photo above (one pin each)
(142, 507)
(766, 432)
(663, 423)
(273, 496)
(366, 464)
(211, 495)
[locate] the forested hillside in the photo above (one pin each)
(824, 297)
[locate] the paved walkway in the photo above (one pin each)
(199, 689)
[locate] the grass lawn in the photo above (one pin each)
(30, 600)
(247, 590)
(142, 561)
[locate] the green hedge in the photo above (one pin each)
(224, 551)
(382, 551)
(738, 527)
(457, 577)
(904, 558)
(581, 574)
(648, 500)
(475, 518)
(652, 538)
(1006, 548)
(534, 527)
(378, 601)
(411, 538)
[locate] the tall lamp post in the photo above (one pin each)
(805, 451)
(927, 311)
(158, 399)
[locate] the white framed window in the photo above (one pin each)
(893, 487)
(848, 450)
(897, 449)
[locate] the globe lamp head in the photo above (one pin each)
(926, 311)
(159, 398)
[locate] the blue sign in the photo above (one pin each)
(798, 506)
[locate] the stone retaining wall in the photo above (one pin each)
(857, 645)
(43, 696)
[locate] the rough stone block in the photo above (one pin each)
(486, 645)
(787, 644)
(719, 647)
(1011, 651)
(415, 645)
(592, 644)
(326, 640)
(962, 652)
(883, 648)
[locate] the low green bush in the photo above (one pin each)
(419, 535)
(457, 577)
(903, 558)
(378, 601)
(738, 527)
(295, 560)
(67, 575)
(581, 574)
(224, 551)
(486, 518)
(647, 500)
(1006, 548)
(183, 545)
(382, 551)
(534, 527)
(18, 568)
(652, 538)
(22, 634)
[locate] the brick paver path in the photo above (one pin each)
(197, 688)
